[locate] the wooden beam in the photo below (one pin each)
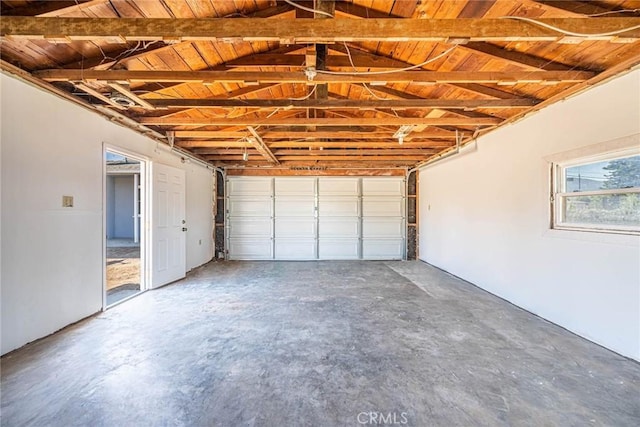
(427, 77)
(301, 121)
(397, 151)
(389, 144)
(219, 151)
(394, 63)
(525, 60)
(269, 135)
(126, 53)
(248, 171)
(352, 134)
(321, 165)
(333, 61)
(355, 158)
(361, 144)
(487, 91)
(311, 30)
(259, 145)
(342, 103)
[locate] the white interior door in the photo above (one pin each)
(168, 225)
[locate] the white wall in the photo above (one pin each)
(484, 217)
(52, 257)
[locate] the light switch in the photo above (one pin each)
(67, 201)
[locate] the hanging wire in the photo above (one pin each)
(306, 96)
(611, 12)
(570, 33)
(364, 85)
(308, 9)
(369, 73)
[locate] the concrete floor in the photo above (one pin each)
(317, 343)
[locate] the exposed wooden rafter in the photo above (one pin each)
(342, 103)
(128, 53)
(310, 30)
(302, 121)
(207, 77)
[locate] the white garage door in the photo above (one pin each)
(306, 218)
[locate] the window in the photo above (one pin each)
(599, 193)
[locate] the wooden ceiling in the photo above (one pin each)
(358, 84)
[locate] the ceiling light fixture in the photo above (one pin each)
(403, 132)
(120, 99)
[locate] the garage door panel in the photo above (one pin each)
(339, 207)
(250, 249)
(295, 227)
(382, 187)
(249, 187)
(338, 248)
(383, 248)
(295, 186)
(243, 207)
(295, 206)
(250, 227)
(299, 249)
(382, 227)
(300, 218)
(338, 187)
(377, 206)
(339, 227)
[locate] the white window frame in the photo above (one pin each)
(559, 194)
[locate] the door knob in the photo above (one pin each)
(184, 228)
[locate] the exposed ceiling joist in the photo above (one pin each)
(260, 146)
(318, 144)
(425, 77)
(128, 53)
(342, 103)
(269, 134)
(333, 61)
(313, 30)
(518, 58)
(302, 121)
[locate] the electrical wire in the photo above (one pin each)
(306, 96)
(369, 73)
(267, 117)
(570, 33)
(364, 85)
(612, 12)
(308, 9)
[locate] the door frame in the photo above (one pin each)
(145, 211)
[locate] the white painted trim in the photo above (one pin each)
(145, 212)
(600, 150)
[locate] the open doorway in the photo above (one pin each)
(124, 203)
